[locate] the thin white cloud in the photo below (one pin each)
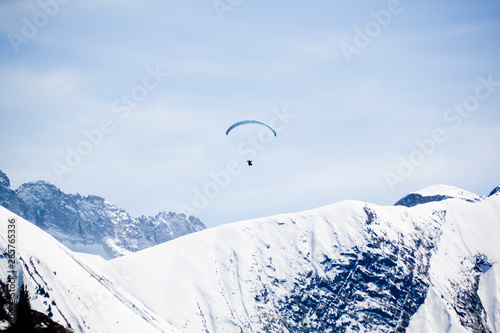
(25, 84)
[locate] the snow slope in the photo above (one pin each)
(68, 290)
(349, 266)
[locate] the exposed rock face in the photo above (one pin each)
(495, 191)
(414, 199)
(378, 287)
(8, 197)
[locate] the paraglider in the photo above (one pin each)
(244, 122)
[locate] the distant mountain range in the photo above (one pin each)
(89, 223)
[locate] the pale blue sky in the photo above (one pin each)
(355, 115)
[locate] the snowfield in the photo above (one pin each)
(77, 296)
(348, 267)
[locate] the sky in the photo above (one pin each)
(130, 100)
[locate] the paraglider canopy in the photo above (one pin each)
(244, 122)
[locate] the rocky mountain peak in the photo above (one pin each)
(437, 193)
(4, 180)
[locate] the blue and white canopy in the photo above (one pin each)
(243, 122)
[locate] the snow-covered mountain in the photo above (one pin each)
(89, 223)
(346, 267)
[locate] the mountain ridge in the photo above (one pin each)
(90, 223)
(438, 193)
(349, 266)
